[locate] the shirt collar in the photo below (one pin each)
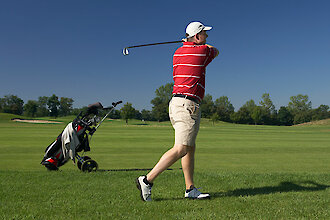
(189, 43)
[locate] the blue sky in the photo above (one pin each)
(74, 49)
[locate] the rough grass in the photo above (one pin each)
(319, 122)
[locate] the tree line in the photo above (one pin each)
(298, 110)
(44, 106)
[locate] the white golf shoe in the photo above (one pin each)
(194, 193)
(145, 189)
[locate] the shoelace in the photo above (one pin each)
(195, 192)
(149, 190)
(148, 194)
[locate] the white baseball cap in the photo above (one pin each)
(195, 27)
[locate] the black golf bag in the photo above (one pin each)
(75, 139)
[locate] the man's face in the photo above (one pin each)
(201, 37)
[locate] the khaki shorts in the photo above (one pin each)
(185, 117)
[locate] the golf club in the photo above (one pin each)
(126, 52)
(114, 104)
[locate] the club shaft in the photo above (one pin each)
(104, 118)
(111, 109)
(144, 45)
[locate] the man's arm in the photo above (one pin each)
(217, 51)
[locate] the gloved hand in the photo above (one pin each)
(184, 39)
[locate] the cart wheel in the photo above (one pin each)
(89, 166)
(84, 158)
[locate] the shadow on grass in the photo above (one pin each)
(308, 186)
(168, 199)
(141, 124)
(133, 169)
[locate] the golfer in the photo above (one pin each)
(189, 63)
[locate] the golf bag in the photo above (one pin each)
(75, 138)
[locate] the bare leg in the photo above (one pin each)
(168, 159)
(188, 164)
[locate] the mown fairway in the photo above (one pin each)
(251, 172)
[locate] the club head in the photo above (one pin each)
(125, 51)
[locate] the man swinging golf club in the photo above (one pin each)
(189, 63)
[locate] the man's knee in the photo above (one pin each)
(182, 150)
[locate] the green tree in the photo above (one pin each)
(302, 117)
(299, 103)
(115, 114)
(207, 107)
(215, 117)
(249, 105)
(224, 108)
(259, 115)
(65, 107)
(127, 112)
(267, 104)
(30, 108)
(284, 116)
(138, 115)
(53, 105)
(160, 102)
(322, 112)
(42, 106)
(300, 107)
(242, 116)
(160, 111)
(76, 111)
(146, 115)
(12, 104)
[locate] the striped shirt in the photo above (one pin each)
(189, 63)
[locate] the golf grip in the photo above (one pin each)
(116, 103)
(143, 45)
(111, 109)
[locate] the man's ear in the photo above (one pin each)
(197, 36)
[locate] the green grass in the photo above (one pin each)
(251, 172)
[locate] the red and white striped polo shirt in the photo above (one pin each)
(189, 63)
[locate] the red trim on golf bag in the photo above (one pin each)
(50, 160)
(79, 128)
(58, 155)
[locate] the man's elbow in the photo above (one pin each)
(216, 52)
